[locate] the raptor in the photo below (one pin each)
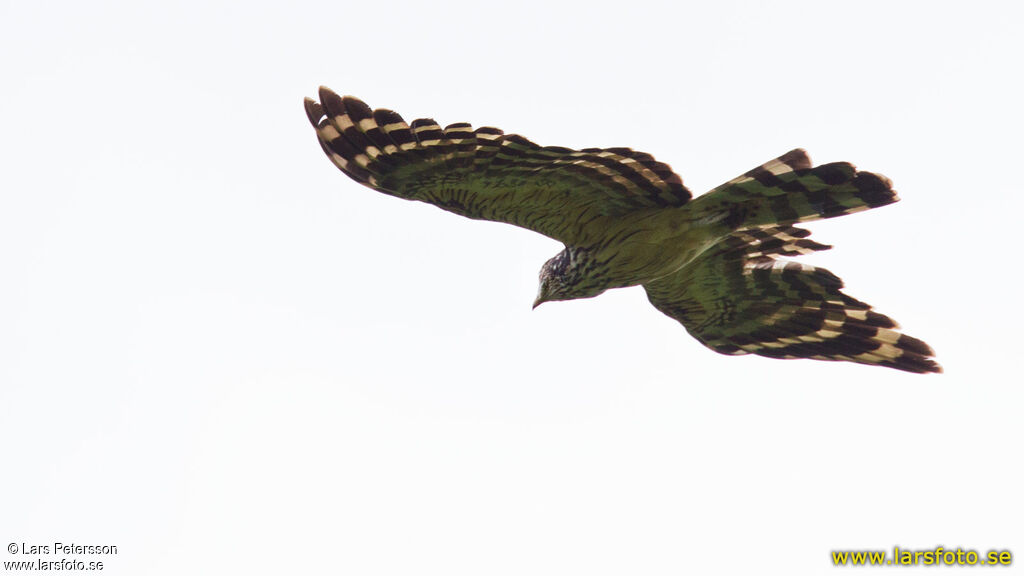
(716, 263)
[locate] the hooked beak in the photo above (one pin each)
(541, 298)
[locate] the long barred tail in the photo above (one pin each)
(788, 190)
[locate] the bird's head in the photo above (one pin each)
(566, 277)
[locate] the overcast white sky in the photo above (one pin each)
(224, 357)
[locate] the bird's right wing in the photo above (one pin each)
(488, 175)
(739, 297)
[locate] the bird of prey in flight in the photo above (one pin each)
(716, 263)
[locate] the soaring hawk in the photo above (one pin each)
(714, 263)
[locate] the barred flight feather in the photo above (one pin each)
(741, 298)
(486, 174)
(717, 264)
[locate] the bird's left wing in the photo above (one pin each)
(739, 297)
(488, 175)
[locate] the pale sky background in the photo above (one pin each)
(224, 357)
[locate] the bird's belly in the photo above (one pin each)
(646, 257)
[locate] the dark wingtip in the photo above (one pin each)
(331, 102)
(916, 364)
(356, 108)
(915, 345)
(421, 122)
(314, 111)
(874, 189)
(383, 117)
(797, 159)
